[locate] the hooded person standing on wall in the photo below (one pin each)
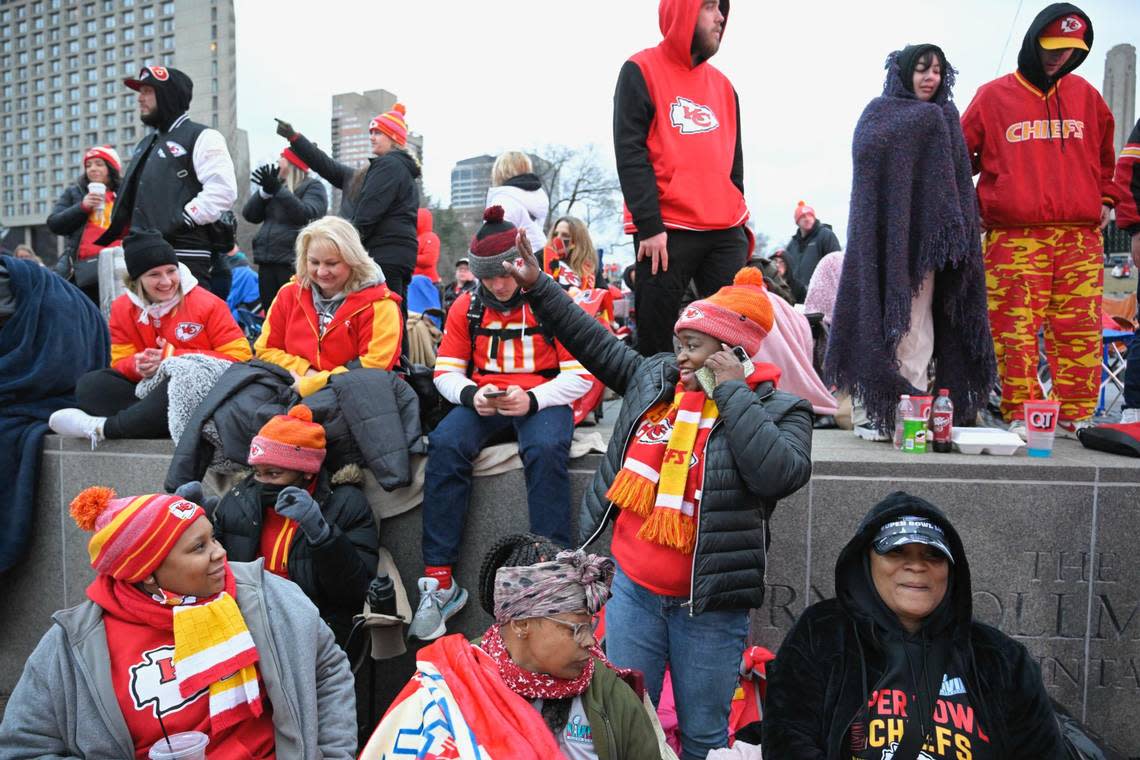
(1041, 139)
(180, 180)
(681, 167)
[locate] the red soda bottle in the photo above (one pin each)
(942, 417)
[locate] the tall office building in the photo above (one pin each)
(470, 181)
(351, 114)
(62, 64)
(1120, 90)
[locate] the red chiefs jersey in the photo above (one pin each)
(1044, 158)
(142, 673)
(1128, 184)
(201, 324)
(524, 360)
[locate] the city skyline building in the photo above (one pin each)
(62, 65)
(470, 181)
(1120, 91)
(352, 112)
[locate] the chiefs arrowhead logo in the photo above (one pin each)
(175, 149)
(654, 432)
(183, 510)
(160, 72)
(692, 312)
(255, 450)
(1071, 24)
(187, 330)
(154, 684)
(692, 118)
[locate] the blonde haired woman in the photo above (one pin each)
(516, 188)
(570, 257)
(286, 200)
(336, 310)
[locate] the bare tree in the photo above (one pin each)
(579, 184)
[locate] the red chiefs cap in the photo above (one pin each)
(1068, 31)
(150, 76)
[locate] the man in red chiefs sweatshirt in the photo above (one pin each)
(1041, 139)
(681, 167)
(1128, 219)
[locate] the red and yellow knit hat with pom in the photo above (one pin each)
(133, 535)
(392, 123)
(739, 314)
(291, 441)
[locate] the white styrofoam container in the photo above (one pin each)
(986, 441)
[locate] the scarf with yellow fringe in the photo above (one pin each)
(660, 479)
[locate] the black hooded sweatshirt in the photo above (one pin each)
(849, 681)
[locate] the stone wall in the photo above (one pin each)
(1051, 546)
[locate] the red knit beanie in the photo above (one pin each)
(393, 124)
(109, 156)
(291, 441)
(801, 209)
(739, 314)
(294, 159)
(132, 535)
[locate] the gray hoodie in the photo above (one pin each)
(65, 707)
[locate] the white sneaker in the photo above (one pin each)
(1130, 416)
(76, 423)
(1070, 428)
(1017, 427)
(436, 607)
(1118, 271)
(868, 432)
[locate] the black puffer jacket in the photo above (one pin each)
(839, 649)
(341, 176)
(386, 209)
(335, 573)
(803, 254)
(758, 452)
(68, 217)
(281, 217)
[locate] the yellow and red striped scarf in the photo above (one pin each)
(660, 477)
(213, 648)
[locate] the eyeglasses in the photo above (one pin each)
(583, 633)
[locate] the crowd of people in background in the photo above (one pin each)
(336, 350)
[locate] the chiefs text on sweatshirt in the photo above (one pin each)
(677, 134)
(1043, 145)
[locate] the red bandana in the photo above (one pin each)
(532, 685)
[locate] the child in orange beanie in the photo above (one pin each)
(313, 529)
(702, 448)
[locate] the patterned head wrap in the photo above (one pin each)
(571, 582)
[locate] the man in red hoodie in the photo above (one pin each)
(681, 167)
(1041, 138)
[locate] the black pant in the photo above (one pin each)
(106, 393)
(270, 278)
(397, 263)
(709, 259)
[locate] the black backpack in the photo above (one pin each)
(1114, 439)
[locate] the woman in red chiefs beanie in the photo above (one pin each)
(309, 525)
(83, 213)
(172, 639)
(703, 447)
(286, 200)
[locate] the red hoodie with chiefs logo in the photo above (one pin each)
(677, 134)
(1042, 145)
(1128, 184)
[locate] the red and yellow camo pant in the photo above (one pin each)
(1049, 277)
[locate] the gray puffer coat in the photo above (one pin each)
(758, 452)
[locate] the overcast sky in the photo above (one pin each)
(481, 77)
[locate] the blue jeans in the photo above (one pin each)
(544, 444)
(645, 630)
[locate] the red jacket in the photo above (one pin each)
(368, 326)
(201, 324)
(1044, 158)
(427, 252)
(677, 124)
(1128, 184)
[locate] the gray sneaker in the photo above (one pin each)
(437, 606)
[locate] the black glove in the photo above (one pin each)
(192, 491)
(266, 177)
(285, 129)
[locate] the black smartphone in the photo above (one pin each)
(494, 394)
